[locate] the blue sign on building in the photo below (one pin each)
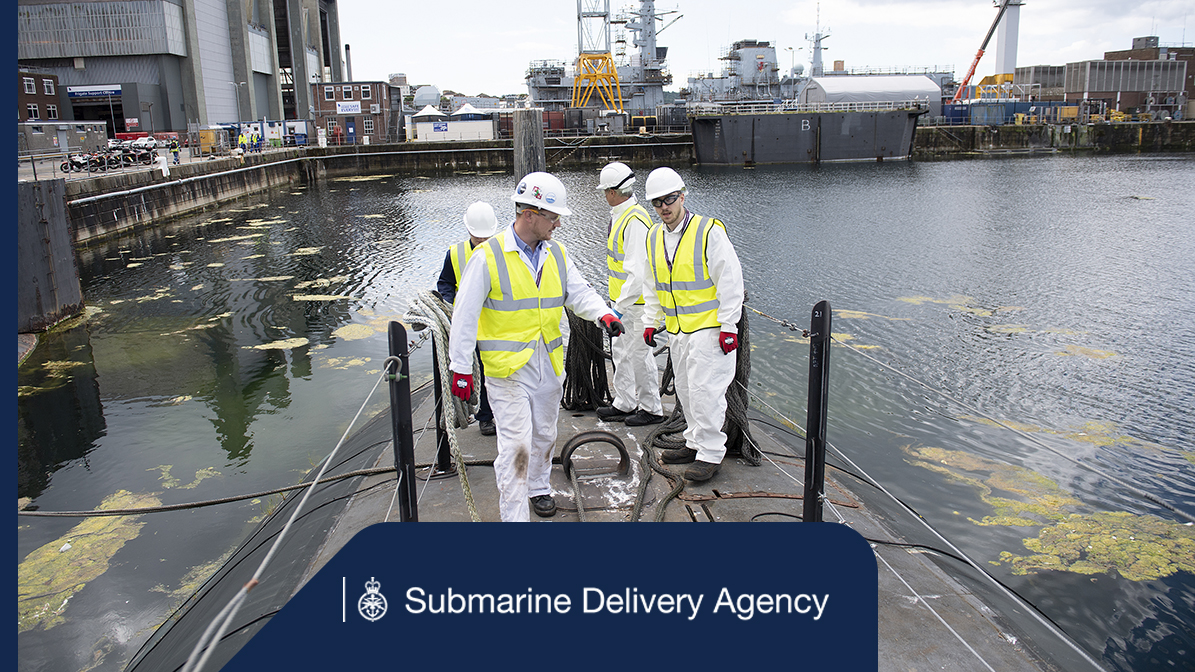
(439, 126)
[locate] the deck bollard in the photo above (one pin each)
(815, 418)
(400, 417)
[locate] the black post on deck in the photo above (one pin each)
(815, 419)
(400, 417)
(443, 450)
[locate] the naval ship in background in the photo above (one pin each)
(752, 115)
(749, 114)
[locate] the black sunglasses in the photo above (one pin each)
(667, 200)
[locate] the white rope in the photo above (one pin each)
(196, 662)
(428, 310)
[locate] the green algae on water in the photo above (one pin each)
(50, 576)
(1137, 547)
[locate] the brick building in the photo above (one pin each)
(350, 112)
(38, 97)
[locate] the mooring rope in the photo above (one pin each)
(431, 311)
(202, 651)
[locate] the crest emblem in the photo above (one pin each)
(372, 604)
(536, 193)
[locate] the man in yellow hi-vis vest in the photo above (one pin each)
(481, 223)
(636, 380)
(696, 287)
(510, 304)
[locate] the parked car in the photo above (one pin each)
(146, 142)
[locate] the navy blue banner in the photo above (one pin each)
(589, 597)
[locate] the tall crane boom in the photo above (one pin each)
(970, 73)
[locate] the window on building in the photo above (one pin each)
(48, 86)
(51, 111)
(367, 125)
(331, 124)
(30, 86)
(31, 110)
(329, 93)
(348, 93)
(365, 92)
(36, 129)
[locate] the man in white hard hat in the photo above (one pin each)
(636, 382)
(511, 302)
(696, 288)
(481, 223)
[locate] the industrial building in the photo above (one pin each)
(171, 65)
(1149, 78)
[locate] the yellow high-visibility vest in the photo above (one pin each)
(686, 292)
(616, 250)
(460, 254)
(517, 313)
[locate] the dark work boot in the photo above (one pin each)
(702, 471)
(678, 456)
(543, 506)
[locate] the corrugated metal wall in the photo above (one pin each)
(211, 26)
(128, 28)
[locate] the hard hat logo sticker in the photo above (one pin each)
(522, 188)
(550, 197)
(535, 192)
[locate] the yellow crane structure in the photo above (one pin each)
(597, 72)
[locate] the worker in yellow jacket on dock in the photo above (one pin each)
(510, 304)
(636, 380)
(696, 288)
(481, 223)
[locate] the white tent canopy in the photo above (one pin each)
(428, 111)
(467, 109)
(873, 88)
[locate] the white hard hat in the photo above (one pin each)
(480, 220)
(615, 175)
(663, 181)
(542, 190)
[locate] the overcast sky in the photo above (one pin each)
(485, 47)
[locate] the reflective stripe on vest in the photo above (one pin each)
(616, 250)
(517, 313)
(460, 256)
(686, 292)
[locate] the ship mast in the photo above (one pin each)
(816, 41)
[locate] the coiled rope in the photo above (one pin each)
(429, 310)
(586, 386)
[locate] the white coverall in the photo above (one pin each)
(636, 378)
(526, 404)
(703, 371)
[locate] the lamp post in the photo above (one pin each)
(237, 90)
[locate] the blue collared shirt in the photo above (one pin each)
(531, 252)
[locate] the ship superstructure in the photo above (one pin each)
(630, 38)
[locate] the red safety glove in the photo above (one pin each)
(729, 342)
(613, 325)
(462, 385)
(649, 336)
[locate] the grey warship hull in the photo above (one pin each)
(746, 137)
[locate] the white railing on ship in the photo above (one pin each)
(699, 109)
